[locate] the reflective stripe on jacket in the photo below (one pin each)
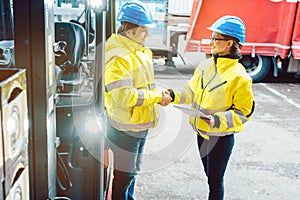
(223, 89)
(130, 94)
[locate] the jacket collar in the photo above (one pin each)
(224, 62)
(232, 56)
(118, 45)
(128, 43)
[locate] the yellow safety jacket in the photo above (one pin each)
(223, 89)
(130, 94)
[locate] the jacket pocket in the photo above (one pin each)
(219, 85)
(142, 114)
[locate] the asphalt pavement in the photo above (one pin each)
(265, 163)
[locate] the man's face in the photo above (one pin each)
(139, 34)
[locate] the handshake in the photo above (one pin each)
(166, 98)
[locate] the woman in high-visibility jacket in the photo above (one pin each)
(131, 98)
(222, 89)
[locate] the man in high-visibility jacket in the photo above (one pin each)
(131, 98)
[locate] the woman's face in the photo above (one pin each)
(220, 45)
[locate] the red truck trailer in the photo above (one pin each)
(272, 33)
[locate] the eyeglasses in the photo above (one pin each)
(213, 39)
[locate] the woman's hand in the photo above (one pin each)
(210, 121)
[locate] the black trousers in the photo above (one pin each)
(215, 154)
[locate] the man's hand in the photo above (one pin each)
(166, 98)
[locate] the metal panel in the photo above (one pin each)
(14, 113)
(34, 51)
(20, 189)
(180, 7)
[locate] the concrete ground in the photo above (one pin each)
(265, 163)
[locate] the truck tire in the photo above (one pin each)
(257, 67)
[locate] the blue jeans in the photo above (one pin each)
(127, 148)
(215, 154)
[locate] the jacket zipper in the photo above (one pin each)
(203, 90)
(202, 79)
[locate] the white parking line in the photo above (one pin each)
(290, 101)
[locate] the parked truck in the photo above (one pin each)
(272, 33)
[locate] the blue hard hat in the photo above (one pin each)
(135, 12)
(231, 26)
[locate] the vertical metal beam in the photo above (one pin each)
(33, 51)
(99, 65)
(111, 18)
(6, 26)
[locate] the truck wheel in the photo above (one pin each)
(257, 67)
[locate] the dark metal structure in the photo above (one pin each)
(63, 63)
